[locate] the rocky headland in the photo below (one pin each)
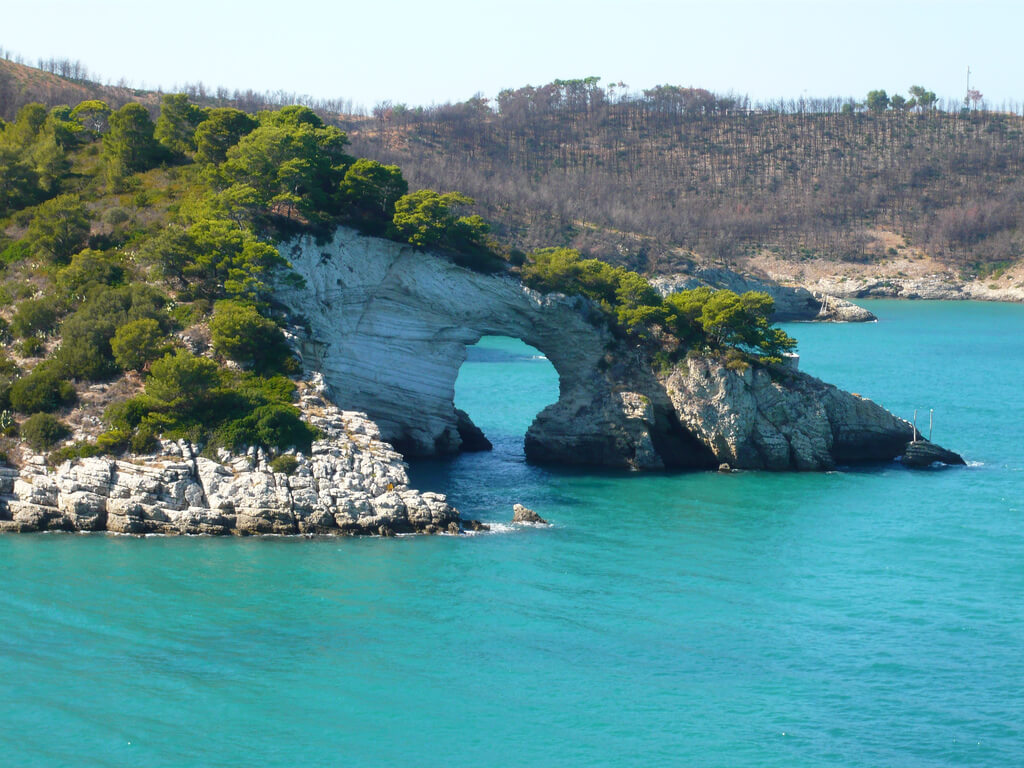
(910, 274)
(382, 329)
(388, 326)
(792, 302)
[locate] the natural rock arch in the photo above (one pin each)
(388, 327)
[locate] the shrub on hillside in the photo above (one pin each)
(285, 463)
(42, 430)
(85, 351)
(8, 374)
(17, 251)
(43, 389)
(33, 317)
(144, 440)
(59, 229)
(181, 381)
(128, 414)
(241, 333)
(87, 268)
(137, 343)
(31, 347)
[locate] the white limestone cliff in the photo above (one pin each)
(389, 326)
(350, 483)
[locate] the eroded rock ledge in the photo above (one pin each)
(702, 413)
(351, 483)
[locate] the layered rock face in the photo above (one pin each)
(351, 483)
(780, 419)
(389, 326)
(701, 414)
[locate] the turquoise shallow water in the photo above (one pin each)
(860, 618)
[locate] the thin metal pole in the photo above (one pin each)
(931, 411)
(915, 426)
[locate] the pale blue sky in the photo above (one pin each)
(433, 51)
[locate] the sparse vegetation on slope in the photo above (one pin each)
(645, 179)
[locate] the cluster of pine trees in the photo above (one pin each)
(117, 231)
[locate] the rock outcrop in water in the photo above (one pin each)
(922, 453)
(350, 483)
(781, 419)
(702, 413)
(388, 326)
(525, 515)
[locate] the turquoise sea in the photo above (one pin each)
(872, 617)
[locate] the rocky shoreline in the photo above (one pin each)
(934, 287)
(351, 483)
(384, 329)
(909, 274)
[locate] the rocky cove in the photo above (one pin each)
(384, 331)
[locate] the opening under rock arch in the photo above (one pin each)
(503, 384)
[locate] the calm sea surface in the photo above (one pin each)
(863, 618)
